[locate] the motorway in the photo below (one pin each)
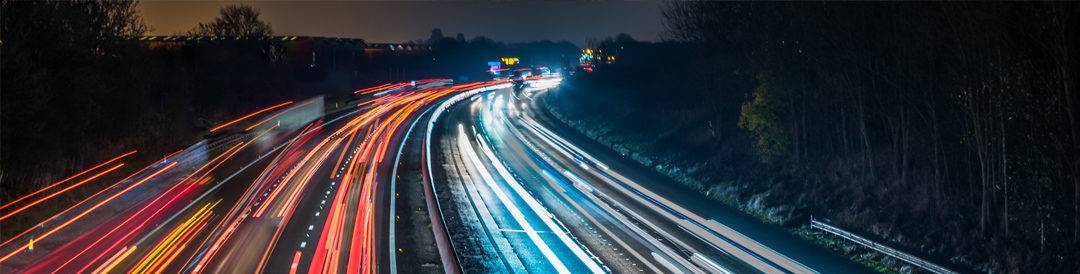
(293, 187)
(533, 196)
(422, 176)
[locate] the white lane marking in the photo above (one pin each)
(519, 217)
(537, 207)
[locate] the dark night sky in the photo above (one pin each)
(402, 21)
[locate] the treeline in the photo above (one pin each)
(949, 128)
(466, 58)
(79, 88)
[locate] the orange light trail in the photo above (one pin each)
(107, 262)
(77, 204)
(276, 115)
(249, 115)
(223, 157)
(170, 155)
(303, 182)
(227, 157)
(233, 211)
(212, 161)
(175, 251)
(150, 260)
(113, 230)
(234, 223)
(288, 205)
(361, 255)
(341, 157)
(228, 154)
(68, 178)
(38, 201)
(108, 267)
(77, 217)
(295, 263)
(379, 87)
(347, 242)
(178, 246)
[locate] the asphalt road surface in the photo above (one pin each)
(424, 176)
(520, 181)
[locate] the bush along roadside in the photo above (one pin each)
(601, 125)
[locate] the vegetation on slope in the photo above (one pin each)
(947, 129)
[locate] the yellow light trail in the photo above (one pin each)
(77, 217)
(153, 257)
(108, 267)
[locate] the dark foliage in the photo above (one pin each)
(235, 21)
(78, 88)
(947, 128)
(467, 59)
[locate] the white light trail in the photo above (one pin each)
(463, 143)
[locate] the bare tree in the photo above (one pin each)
(236, 21)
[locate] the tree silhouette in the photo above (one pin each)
(436, 35)
(236, 21)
